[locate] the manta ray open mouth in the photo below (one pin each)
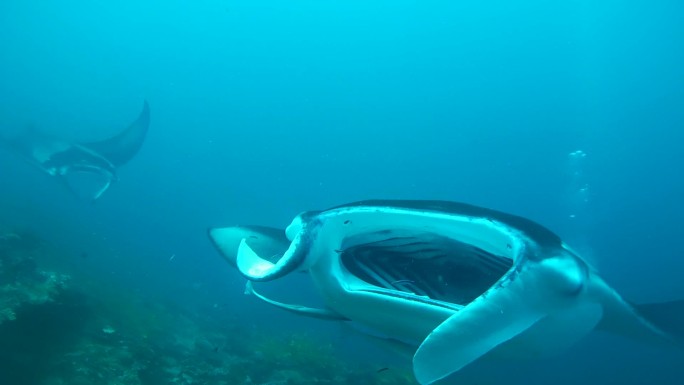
(424, 264)
(454, 280)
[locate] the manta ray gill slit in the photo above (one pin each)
(441, 267)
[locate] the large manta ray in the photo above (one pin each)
(72, 162)
(450, 281)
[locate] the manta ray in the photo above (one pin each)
(73, 162)
(450, 281)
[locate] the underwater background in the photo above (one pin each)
(568, 113)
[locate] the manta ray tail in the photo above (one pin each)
(666, 316)
(120, 148)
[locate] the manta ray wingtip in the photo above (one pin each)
(146, 107)
(667, 317)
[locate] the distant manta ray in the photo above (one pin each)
(65, 159)
(448, 282)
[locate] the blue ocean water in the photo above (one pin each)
(263, 109)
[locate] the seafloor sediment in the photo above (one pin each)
(55, 329)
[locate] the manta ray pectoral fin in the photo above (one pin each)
(666, 316)
(507, 310)
(470, 333)
(120, 148)
(297, 309)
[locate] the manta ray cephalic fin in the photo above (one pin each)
(267, 241)
(297, 309)
(256, 268)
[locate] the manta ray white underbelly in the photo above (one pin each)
(452, 280)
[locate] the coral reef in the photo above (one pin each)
(21, 282)
(57, 331)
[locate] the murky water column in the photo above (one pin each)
(578, 187)
(578, 205)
